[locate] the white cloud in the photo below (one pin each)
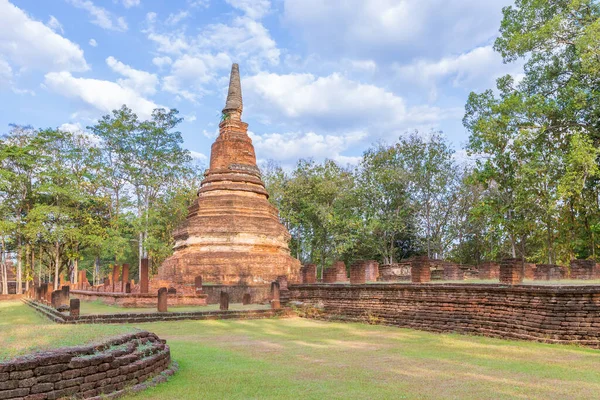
(388, 29)
(254, 9)
(199, 3)
(161, 62)
(476, 69)
(139, 81)
(5, 74)
(100, 16)
(189, 74)
(93, 43)
(130, 3)
(174, 19)
(334, 102)
(55, 24)
(71, 127)
(198, 156)
(287, 147)
(30, 44)
(103, 95)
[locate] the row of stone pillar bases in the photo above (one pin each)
(509, 271)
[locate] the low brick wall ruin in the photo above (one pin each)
(134, 318)
(125, 362)
(541, 313)
(137, 299)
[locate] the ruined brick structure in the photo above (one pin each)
(584, 269)
(336, 273)
(511, 271)
(420, 270)
(232, 234)
(489, 270)
(547, 272)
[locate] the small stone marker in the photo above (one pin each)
(246, 299)
(162, 299)
(144, 276)
(128, 287)
(55, 298)
(66, 293)
(224, 301)
(124, 277)
(198, 284)
(74, 308)
(275, 296)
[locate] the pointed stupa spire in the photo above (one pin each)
(234, 96)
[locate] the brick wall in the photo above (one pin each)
(548, 314)
(86, 371)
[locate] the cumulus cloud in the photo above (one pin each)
(100, 16)
(29, 44)
(286, 147)
(335, 102)
(103, 95)
(176, 18)
(388, 29)
(5, 74)
(55, 24)
(198, 156)
(130, 3)
(93, 43)
(161, 62)
(254, 9)
(478, 68)
(139, 81)
(189, 74)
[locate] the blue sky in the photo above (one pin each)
(320, 78)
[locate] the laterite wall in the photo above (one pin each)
(86, 371)
(547, 314)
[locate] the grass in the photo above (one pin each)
(23, 331)
(299, 358)
(97, 307)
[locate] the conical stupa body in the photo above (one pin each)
(232, 234)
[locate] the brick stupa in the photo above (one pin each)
(232, 234)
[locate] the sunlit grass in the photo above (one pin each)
(23, 331)
(299, 358)
(97, 307)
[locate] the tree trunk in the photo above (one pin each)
(57, 266)
(19, 261)
(76, 265)
(3, 265)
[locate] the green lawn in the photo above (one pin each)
(299, 358)
(23, 331)
(97, 307)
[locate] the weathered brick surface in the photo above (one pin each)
(336, 273)
(548, 272)
(584, 269)
(541, 313)
(81, 372)
(489, 270)
(358, 273)
(511, 271)
(420, 270)
(308, 273)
